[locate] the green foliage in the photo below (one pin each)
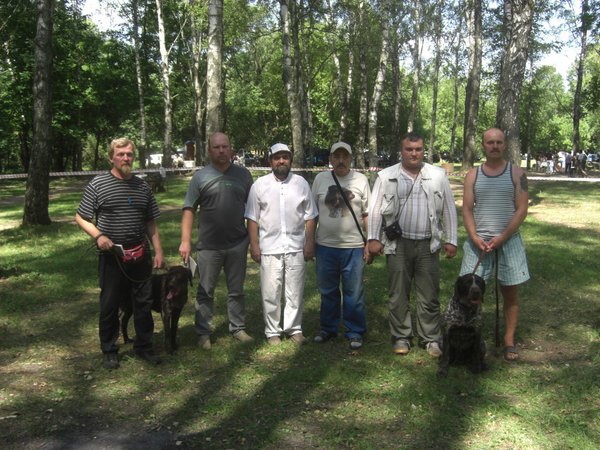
(95, 95)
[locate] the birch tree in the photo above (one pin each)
(360, 145)
(197, 83)
(437, 45)
(38, 179)
(474, 26)
(377, 92)
(416, 57)
(214, 67)
(164, 69)
(584, 28)
(143, 144)
(518, 20)
(290, 85)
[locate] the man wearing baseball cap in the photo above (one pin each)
(281, 209)
(341, 252)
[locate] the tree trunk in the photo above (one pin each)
(518, 20)
(437, 38)
(143, 144)
(197, 86)
(585, 26)
(164, 65)
(457, 49)
(303, 66)
(339, 82)
(396, 102)
(416, 57)
(290, 86)
(38, 180)
(376, 98)
(360, 145)
(214, 67)
(474, 25)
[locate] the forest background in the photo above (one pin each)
(303, 72)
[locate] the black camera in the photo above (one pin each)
(393, 231)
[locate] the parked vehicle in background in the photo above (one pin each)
(320, 157)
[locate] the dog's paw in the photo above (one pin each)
(442, 372)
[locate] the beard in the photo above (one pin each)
(281, 172)
(125, 170)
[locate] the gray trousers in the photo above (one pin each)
(414, 261)
(233, 261)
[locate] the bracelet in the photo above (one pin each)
(98, 237)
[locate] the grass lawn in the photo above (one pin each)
(55, 394)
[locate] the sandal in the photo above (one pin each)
(511, 353)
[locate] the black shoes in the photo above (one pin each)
(149, 356)
(110, 361)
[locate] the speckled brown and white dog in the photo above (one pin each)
(461, 327)
(169, 295)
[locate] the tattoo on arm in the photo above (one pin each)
(523, 183)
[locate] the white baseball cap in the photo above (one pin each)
(340, 144)
(279, 147)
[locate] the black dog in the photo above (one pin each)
(169, 295)
(461, 327)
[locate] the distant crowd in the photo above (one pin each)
(571, 165)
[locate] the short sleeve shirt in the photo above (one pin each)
(121, 208)
(337, 227)
(221, 198)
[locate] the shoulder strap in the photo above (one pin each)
(349, 207)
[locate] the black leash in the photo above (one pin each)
(122, 269)
(497, 330)
(497, 325)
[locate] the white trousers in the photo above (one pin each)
(287, 271)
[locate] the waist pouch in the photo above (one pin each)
(133, 254)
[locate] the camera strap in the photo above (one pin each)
(407, 197)
(349, 207)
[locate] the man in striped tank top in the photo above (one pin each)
(494, 207)
(119, 208)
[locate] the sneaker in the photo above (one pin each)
(274, 340)
(322, 337)
(433, 348)
(242, 336)
(401, 347)
(298, 338)
(204, 342)
(355, 343)
(110, 361)
(149, 356)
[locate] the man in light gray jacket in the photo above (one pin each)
(412, 215)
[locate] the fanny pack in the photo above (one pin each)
(130, 255)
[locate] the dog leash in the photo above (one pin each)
(497, 324)
(497, 328)
(122, 269)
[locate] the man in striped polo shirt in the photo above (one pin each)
(119, 208)
(494, 207)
